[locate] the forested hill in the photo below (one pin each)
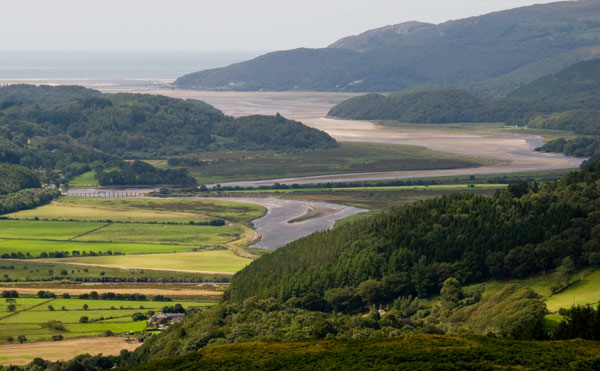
(568, 100)
(44, 96)
(514, 46)
(412, 250)
(436, 106)
(578, 84)
(64, 139)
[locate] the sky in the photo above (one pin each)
(211, 25)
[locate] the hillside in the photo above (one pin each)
(567, 100)
(497, 46)
(423, 352)
(437, 106)
(413, 250)
(65, 139)
(44, 96)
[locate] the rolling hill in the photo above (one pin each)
(508, 48)
(567, 100)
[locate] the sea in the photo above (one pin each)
(107, 65)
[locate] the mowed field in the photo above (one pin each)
(132, 231)
(143, 210)
(23, 354)
(209, 262)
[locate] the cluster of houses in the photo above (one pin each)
(162, 320)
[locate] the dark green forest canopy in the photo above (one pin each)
(13, 178)
(578, 147)
(411, 250)
(510, 47)
(44, 96)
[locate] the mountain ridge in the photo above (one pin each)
(461, 52)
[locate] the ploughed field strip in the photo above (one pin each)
(76, 228)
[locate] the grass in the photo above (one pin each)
(44, 229)
(84, 180)
(38, 272)
(61, 211)
(33, 313)
(585, 290)
(143, 210)
(347, 158)
(147, 226)
(191, 235)
(23, 354)
(547, 134)
(216, 261)
(37, 247)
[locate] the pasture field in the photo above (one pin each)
(150, 226)
(144, 210)
(23, 354)
(44, 230)
(36, 247)
(172, 290)
(164, 234)
(84, 180)
(547, 134)
(67, 212)
(13, 272)
(585, 290)
(32, 315)
(212, 261)
(347, 158)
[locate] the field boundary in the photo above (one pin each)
(131, 268)
(88, 232)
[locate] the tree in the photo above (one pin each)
(371, 291)
(21, 339)
(566, 268)
(452, 290)
(11, 307)
(85, 307)
(84, 319)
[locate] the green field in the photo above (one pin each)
(347, 158)
(193, 235)
(217, 261)
(61, 211)
(33, 270)
(161, 210)
(129, 226)
(44, 230)
(84, 180)
(547, 134)
(105, 315)
(584, 289)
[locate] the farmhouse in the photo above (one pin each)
(172, 317)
